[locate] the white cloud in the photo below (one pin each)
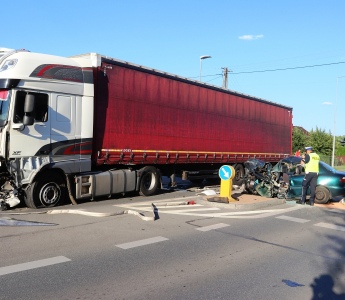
(327, 103)
(250, 37)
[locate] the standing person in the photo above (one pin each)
(311, 164)
(298, 152)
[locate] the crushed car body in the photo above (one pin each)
(284, 180)
(264, 179)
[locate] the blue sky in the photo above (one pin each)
(288, 52)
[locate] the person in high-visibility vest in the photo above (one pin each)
(311, 164)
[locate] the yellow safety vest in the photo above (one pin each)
(313, 164)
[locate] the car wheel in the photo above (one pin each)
(239, 173)
(322, 195)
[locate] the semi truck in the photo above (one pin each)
(92, 126)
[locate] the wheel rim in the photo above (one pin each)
(49, 194)
(320, 195)
(149, 181)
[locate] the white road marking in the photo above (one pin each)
(164, 206)
(33, 265)
(292, 219)
(183, 211)
(165, 202)
(212, 227)
(171, 206)
(330, 226)
(236, 215)
(149, 208)
(142, 242)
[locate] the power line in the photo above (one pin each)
(221, 75)
(275, 70)
(292, 68)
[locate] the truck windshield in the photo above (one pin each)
(4, 106)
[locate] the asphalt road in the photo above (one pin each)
(196, 251)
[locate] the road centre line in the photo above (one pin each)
(212, 227)
(330, 226)
(143, 242)
(33, 265)
(292, 219)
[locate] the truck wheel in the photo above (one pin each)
(46, 191)
(149, 181)
(322, 195)
(239, 173)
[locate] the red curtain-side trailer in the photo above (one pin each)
(147, 117)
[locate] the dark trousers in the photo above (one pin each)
(309, 180)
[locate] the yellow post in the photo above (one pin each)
(226, 174)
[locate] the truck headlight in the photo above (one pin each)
(8, 64)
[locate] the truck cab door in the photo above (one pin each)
(33, 140)
(63, 127)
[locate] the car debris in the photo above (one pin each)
(265, 180)
(284, 180)
(8, 196)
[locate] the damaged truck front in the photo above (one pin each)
(40, 139)
(8, 192)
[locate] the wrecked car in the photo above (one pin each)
(261, 178)
(284, 180)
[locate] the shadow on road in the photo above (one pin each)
(323, 288)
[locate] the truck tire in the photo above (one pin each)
(149, 181)
(322, 195)
(239, 173)
(46, 191)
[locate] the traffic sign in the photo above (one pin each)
(225, 172)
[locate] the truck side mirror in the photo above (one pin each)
(29, 106)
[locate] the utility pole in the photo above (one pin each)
(225, 77)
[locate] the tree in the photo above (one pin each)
(321, 141)
(299, 139)
(340, 150)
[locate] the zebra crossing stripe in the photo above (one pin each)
(330, 226)
(142, 242)
(213, 227)
(298, 220)
(33, 265)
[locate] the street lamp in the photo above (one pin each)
(201, 59)
(335, 119)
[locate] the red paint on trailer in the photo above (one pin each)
(143, 116)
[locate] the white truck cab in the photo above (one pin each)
(46, 124)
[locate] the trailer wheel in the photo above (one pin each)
(322, 195)
(46, 191)
(239, 173)
(149, 181)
